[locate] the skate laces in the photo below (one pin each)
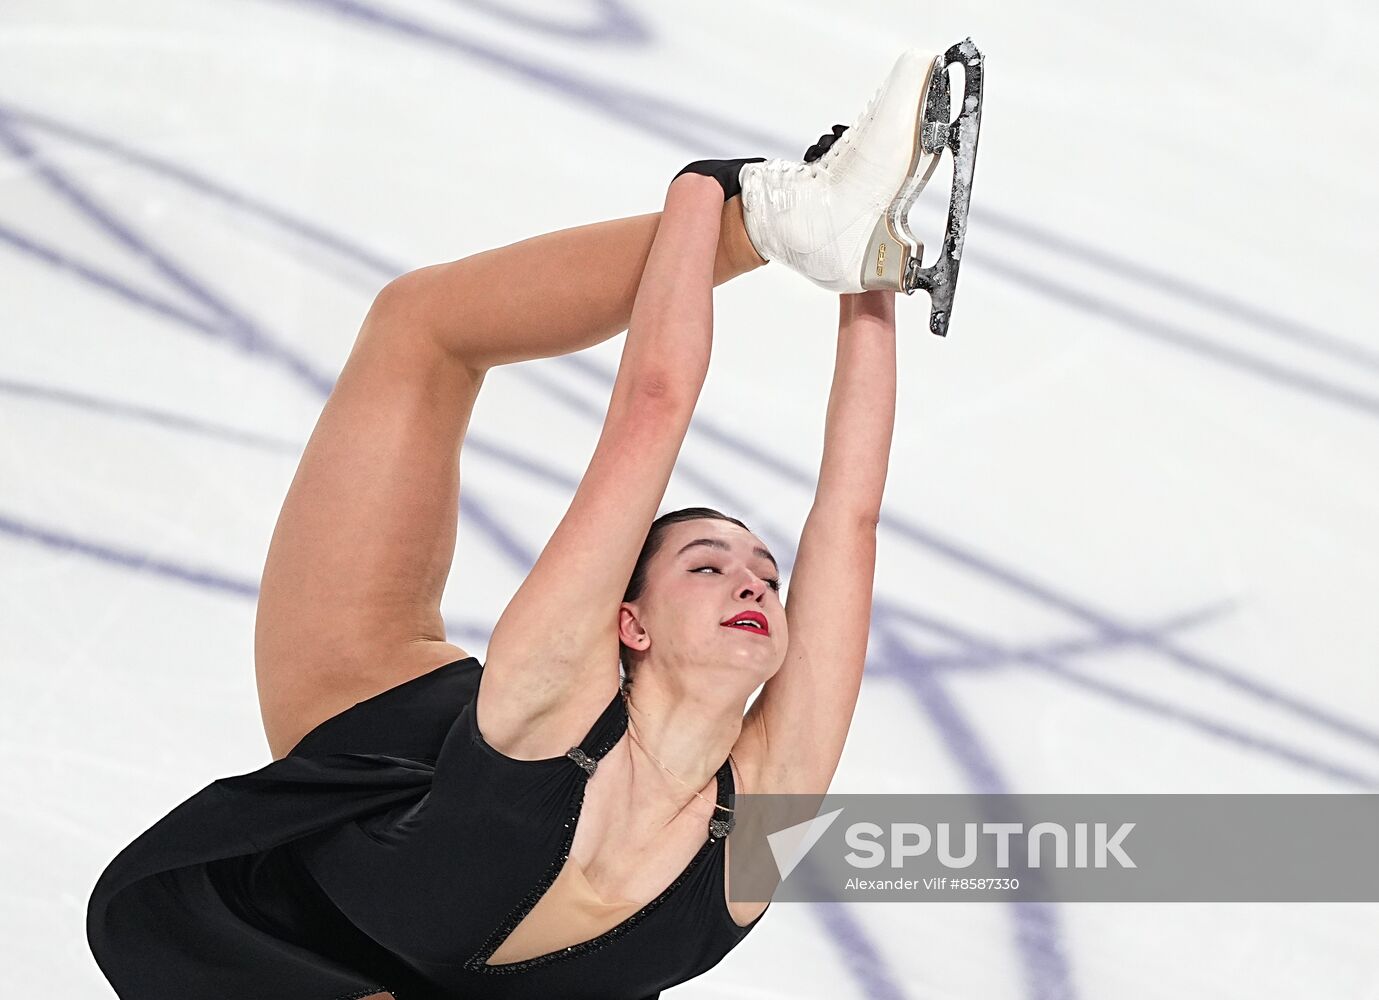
(836, 140)
(846, 136)
(825, 153)
(782, 166)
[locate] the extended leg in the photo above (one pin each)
(350, 599)
(556, 293)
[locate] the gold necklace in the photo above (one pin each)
(632, 731)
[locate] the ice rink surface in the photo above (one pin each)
(1130, 532)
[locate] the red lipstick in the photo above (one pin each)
(735, 621)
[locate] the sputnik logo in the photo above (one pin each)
(789, 846)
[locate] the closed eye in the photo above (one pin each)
(773, 583)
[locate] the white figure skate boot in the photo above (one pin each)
(841, 220)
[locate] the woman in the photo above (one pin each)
(532, 827)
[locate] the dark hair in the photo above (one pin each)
(654, 538)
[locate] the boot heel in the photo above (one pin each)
(888, 257)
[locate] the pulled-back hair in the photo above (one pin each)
(654, 539)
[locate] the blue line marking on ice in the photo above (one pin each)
(1037, 940)
(1048, 975)
(614, 22)
(656, 115)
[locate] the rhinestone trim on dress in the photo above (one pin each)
(479, 963)
(583, 760)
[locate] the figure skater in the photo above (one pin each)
(553, 822)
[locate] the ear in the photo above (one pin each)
(630, 631)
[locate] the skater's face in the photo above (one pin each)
(705, 575)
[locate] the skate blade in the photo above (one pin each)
(960, 138)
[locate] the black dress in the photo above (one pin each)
(391, 849)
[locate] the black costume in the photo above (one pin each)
(391, 849)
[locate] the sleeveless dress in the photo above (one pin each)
(392, 850)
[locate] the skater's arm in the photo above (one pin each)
(861, 407)
(801, 719)
(552, 658)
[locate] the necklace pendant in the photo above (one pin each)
(583, 760)
(720, 827)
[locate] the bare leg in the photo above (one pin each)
(556, 293)
(350, 599)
